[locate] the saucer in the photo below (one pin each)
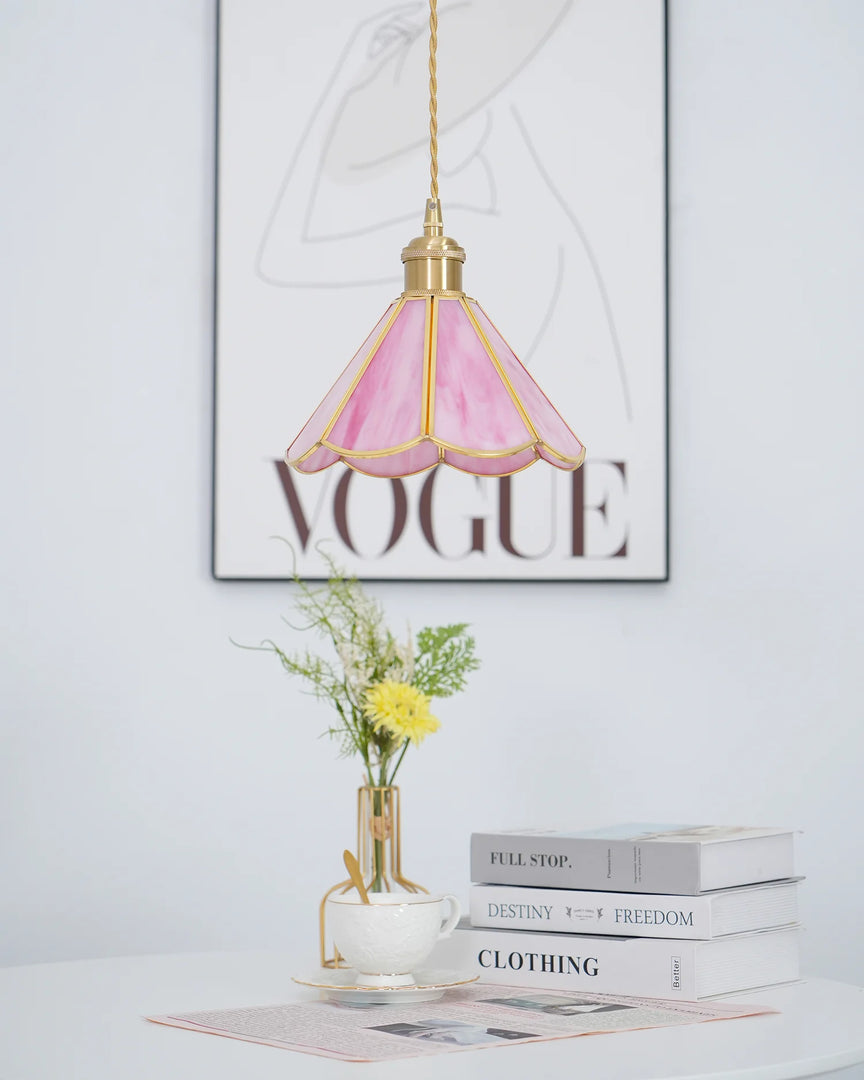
(340, 984)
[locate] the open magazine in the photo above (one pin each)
(465, 1019)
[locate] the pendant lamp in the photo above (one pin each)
(434, 382)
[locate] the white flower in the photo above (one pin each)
(405, 661)
(356, 665)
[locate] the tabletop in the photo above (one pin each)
(83, 1020)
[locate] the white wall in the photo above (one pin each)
(162, 790)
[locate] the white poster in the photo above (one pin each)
(552, 177)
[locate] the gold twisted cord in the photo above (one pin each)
(433, 96)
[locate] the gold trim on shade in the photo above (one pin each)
(400, 303)
(576, 463)
(502, 374)
(371, 455)
(432, 358)
(561, 457)
(426, 376)
(538, 445)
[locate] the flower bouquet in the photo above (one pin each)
(380, 689)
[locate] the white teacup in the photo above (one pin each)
(388, 938)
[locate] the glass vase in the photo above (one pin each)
(379, 855)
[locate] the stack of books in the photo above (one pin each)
(674, 912)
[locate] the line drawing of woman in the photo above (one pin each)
(353, 192)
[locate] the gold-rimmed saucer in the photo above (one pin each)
(340, 984)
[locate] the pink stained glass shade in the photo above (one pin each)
(551, 429)
(435, 382)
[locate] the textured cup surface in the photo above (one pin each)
(392, 935)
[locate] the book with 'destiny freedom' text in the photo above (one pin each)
(670, 968)
(673, 859)
(576, 911)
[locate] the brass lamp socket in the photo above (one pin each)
(433, 262)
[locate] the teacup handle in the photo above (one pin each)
(452, 918)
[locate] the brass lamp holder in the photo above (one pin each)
(433, 261)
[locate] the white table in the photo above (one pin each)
(83, 1021)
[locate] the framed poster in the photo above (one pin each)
(552, 149)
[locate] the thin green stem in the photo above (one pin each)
(398, 763)
(378, 800)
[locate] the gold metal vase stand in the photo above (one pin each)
(379, 854)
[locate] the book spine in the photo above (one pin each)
(574, 862)
(640, 967)
(577, 911)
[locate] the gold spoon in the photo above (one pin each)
(353, 868)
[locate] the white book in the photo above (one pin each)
(577, 911)
(638, 967)
(673, 859)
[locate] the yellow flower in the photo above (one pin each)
(401, 709)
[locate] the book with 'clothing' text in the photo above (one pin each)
(670, 968)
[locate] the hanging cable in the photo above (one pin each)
(433, 96)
